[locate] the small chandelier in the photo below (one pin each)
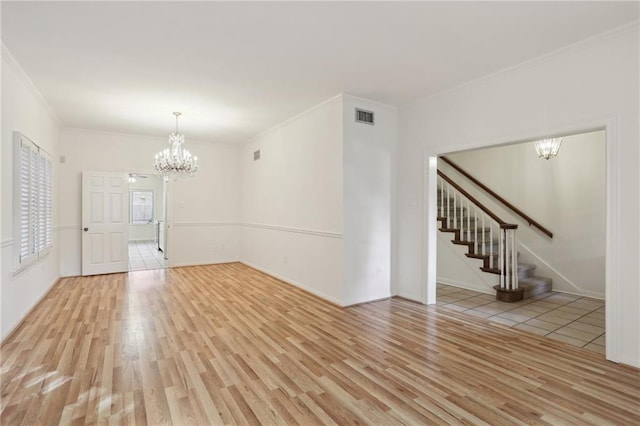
(176, 162)
(548, 148)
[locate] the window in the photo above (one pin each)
(141, 207)
(33, 200)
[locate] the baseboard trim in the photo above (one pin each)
(589, 294)
(292, 283)
(560, 276)
(33, 307)
(407, 299)
(462, 285)
(366, 302)
(187, 264)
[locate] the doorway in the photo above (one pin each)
(147, 222)
(567, 193)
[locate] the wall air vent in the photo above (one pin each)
(256, 155)
(363, 116)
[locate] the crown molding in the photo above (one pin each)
(619, 31)
(22, 75)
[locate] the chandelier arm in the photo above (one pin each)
(176, 161)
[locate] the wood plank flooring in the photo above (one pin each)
(225, 344)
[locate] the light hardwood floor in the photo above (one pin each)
(226, 344)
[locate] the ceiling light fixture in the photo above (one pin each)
(548, 148)
(176, 162)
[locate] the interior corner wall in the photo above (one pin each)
(203, 209)
(292, 201)
(595, 82)
(24, 110)
(367, 157)
(566, 194)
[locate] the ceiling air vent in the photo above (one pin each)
(256, 155)
(363, 116)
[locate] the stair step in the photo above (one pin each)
(463, 228)
(481, 240)
(491, 270)
(471, 226)
(534, 286)
(525, 270)
(531, 284)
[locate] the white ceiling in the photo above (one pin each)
(236, 69)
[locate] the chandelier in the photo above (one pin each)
(548, 148)
(176, 161)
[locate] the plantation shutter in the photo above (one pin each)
(34, 199)
(24, 187)
(48, 202)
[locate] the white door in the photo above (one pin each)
(105, 224)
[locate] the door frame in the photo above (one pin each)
(612, 266)
(167, 207)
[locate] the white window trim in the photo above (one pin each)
(40, 244)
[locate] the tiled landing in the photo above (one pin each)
(145, 255)
(576, 320)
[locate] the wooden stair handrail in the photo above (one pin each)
(492, 215)
(516, 210)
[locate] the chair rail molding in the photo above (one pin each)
(306, 231)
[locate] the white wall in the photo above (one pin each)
(205, 207)
(321, 175)
(584, 87)
(292, 201)
(565, 194)
(367, 155)
(24, 110)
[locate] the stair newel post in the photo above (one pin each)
(514, 260)
(508, 290)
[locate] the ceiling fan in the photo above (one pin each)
(134, 176)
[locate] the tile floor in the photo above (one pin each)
(145, 255)
(576, 320)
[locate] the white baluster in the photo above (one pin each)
(483, 246)
(441, 198)
(510, 260)
(515, 258)
(468, 221)
(448, 205)
(500, 258)
(455, 200)
(475, 220)
(492, 261)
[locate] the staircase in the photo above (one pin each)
(488, 239)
